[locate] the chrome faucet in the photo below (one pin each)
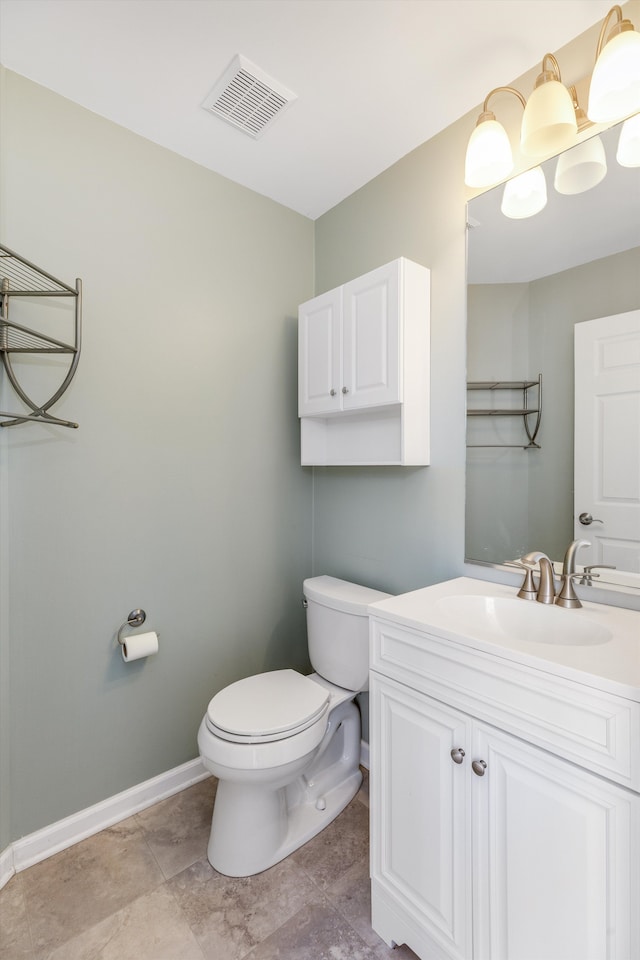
(546, 589)
(567, 595)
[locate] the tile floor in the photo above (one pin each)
(144, 890)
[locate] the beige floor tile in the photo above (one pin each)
(351, 896)
(317, 932)
(83, 885)
(363, 793)
(229, 916)
(15, 936)
(150, 928)
(177, 829)
(332, 852)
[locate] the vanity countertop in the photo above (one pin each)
(474, 613)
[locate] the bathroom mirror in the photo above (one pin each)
(529, 282)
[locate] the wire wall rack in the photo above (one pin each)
(20, 278)
(531, 408)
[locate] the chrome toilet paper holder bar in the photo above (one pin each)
(135, 619)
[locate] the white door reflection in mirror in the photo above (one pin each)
(607, 440)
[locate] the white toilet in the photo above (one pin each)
(285, 747)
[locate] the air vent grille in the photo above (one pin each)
(247, 98)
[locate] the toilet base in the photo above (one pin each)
(305, 821)
(255, 827)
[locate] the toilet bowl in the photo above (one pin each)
(286, 747)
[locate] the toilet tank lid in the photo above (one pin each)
(341, 594)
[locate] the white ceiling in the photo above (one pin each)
(374, 78)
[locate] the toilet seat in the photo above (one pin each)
(267, 707)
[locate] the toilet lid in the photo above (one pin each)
(267, 706)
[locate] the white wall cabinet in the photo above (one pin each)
(486, 846)
(363, 370)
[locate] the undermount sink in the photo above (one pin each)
(524, 620)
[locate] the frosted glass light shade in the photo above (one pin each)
(549, 121)
(581, 168)
(628, 154)
(525, 195)
(614, 92)
(489, 158)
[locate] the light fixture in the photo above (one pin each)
(489, 158)
(549, 121)
(581, 167)
(551, 117)
(628, 154)
(615, 83)
(524, 195)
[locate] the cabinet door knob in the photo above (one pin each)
(345, 389)
(479, 767)
(457, 754)
(332, 392)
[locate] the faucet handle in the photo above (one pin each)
(587, 575)
(567, 596)
(528, 589)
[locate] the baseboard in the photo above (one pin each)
(58, 836)
(7, 868)
(364, 753)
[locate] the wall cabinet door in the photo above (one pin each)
(371, 339)
(363, 370)
(320, 355)
(420, 840)
(552, 844)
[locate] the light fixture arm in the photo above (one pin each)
(581, 118)
(620, 25)
(486, 113)
(546, 74)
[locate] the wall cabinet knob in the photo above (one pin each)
(345, 389)
(332, 392)
(457, 754)
(479, 767)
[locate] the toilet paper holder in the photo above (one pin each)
(135, 619)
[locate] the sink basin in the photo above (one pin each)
(488, 617)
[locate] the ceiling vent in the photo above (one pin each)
(246, 97)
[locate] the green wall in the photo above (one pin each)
(181, 492)
(399, 528)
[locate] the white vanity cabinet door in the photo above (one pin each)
(371, 339)
(320, 355)
(511, 854)
(553, 875)
(420, 817)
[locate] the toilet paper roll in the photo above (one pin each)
(139, 645)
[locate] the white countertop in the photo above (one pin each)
(613, 665)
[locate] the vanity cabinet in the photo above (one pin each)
(487, 844)
(363, 369)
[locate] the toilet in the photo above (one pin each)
(286, 747)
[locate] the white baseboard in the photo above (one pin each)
(58, 836)
(7, 869)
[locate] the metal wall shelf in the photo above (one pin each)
(20, 278)
(526, 411)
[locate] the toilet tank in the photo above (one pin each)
(338, 630)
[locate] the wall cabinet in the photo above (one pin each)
(363, 369)
(486, 846)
